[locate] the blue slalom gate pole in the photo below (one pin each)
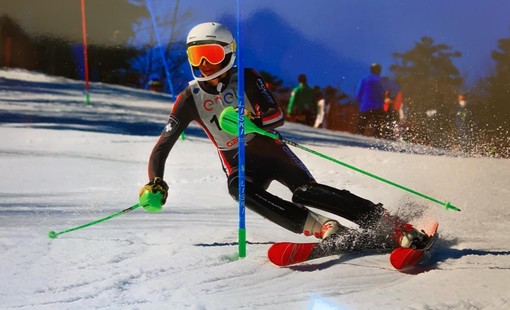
(240, 134)
(160, 47)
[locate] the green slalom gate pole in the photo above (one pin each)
(228, 122)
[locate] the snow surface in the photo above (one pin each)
(65, 163)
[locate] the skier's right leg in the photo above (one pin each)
(289, 215)
(340, 202)
(363, 212)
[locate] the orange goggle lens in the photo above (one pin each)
(213, 53)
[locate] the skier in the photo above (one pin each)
(211, 55)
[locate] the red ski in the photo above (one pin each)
(290, 253)
(402, 258)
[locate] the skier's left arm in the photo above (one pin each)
(264, 109)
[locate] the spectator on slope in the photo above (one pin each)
(393, 108)
(302, 103)
(370, 96)
(463, 123)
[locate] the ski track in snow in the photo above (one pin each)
(65, 164)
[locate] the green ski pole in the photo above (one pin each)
(52, 234)
(228, 122)
(150, 201)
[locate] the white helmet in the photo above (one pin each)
(210, 33)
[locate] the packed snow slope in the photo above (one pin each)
(64, 163)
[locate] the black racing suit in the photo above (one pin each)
(266, 159)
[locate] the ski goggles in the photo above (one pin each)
(212, 53)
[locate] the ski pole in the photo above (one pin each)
(228, 122)
(150, 201)
(52, 234)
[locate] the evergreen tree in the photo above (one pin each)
(430, 81)
(494, 108)
(149, 62)
(499, 83)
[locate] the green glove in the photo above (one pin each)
(153, 195)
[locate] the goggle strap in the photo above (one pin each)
(230, 48)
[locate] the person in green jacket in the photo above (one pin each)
(302, 104)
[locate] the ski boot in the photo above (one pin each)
(320, 226)
(407, 236)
